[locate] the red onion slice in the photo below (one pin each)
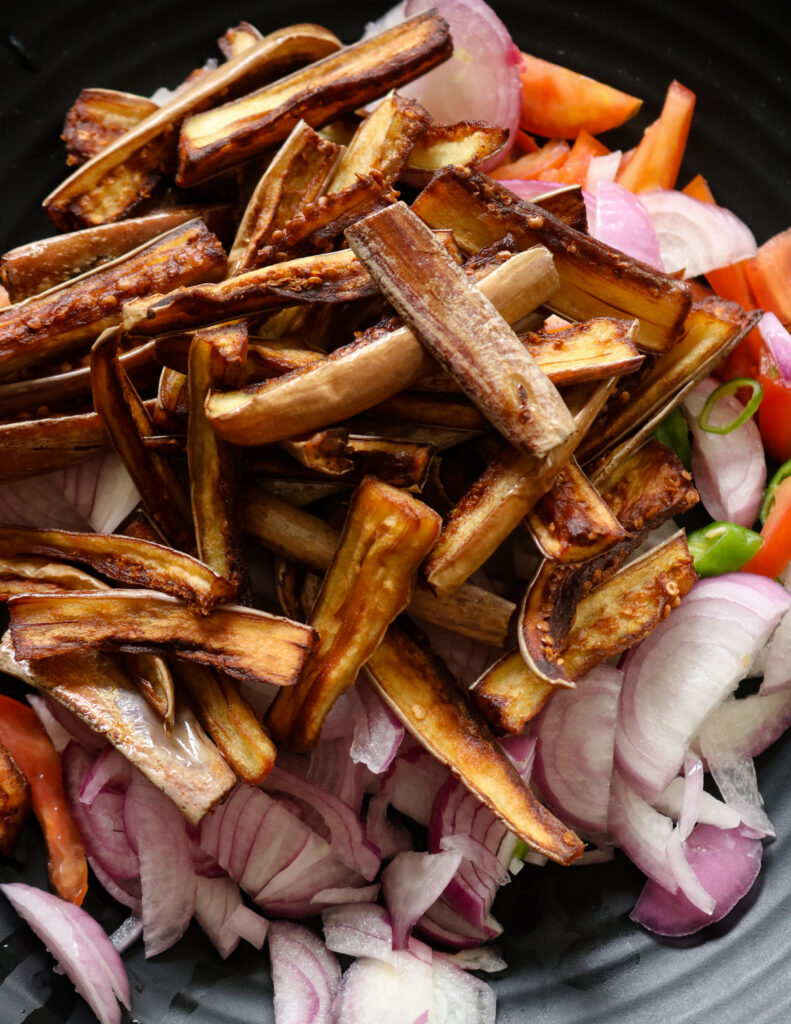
(331, 767)
(618, 218)
(59, 736)
(411, 882)
(373, 991)
(413, 781)
(778, 341)
(604, 168)
(726, 864)
(443, 925)
(342, 896)
(693, 793)
(215, 901)
(642, 833)
(366, 930)
(694, 236)
(729, 469)
(80, 946)
(460, 998)
(467, 659)
(777, 671)
(377, 731)
(574, 753)
(688, 882)
(530, 189)
(690, 663)
(710, 810)
(101, 491)
(39, 502)
(305, 975)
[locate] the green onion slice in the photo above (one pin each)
(724, 391)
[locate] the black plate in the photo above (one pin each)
(573, 954)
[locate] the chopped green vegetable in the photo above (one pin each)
(771, 489)
(673, 432)
(725, 390)
(722, 547)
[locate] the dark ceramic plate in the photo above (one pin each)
(573, 954)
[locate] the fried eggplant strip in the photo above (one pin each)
(184, 764)
(31, 447)
(611, 619)
(369, 582)
(595, 280)
(295, 177)
(229, 720)
(333, 277)
(170, 410)
(645, 490)
(238, 39)
(14, 802)
(601, 348)
(571, 522)
(130, 561)
(712, 330)
(127, 422)
(238, 131)
(217, 358)
(247, 644)
(325, 452)
(303, 537)
(499, 500)
(466, 143)
(85, 196)
(382, 143)
(461, 329)
(357, 376)
(72, 314)
(98, 117)
(421, 691)
(38, 266)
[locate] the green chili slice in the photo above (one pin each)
(771, 489)
(722, 547)
(724, 391)
(673, 432)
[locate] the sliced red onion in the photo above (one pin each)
(109, 770)
(777, 670)
(411, 883)
(39, 502)
(460, 998)
(729, 469)
(347, 835)
(340, 897)
(522, 752)
(59, 737)
(366, 930)
(377, 731)
(305, 975)
(690, 663)
(413, 781)
(445, 926)
(531, 189)
(693, 792)
(778, 341)
(688, 882)
(375, 991)
(710, 810)
(695, 236)
(330, 767)
(481, 81)
(602, 168)
(642, 833)
(388, 837)
(744, 728)
(215, 901)
(466, 658)
(167, 879)
(127, 892)
(292, 892)
(575, 735)
(483, 958)
(251, 927)
(101, 491)
(738, 783)
(726, 864)
(618, 218)
(127, 934)
(80, 946)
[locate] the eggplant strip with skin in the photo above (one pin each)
(172, 404)
(382, 143)
(265, 358)
(83, 197)
(238, 39)
(217, 357)
(571, 522)
(72, 314)
(14, 802)
(358, 376)
(127, 422)
(229, 720)
(611, 619)
(461, 329)
(98, 117)
(325, 452)
(130, 561)
(295, 176)
(466, 143)
(452, 411)
(595, 280)
(38, 266)
(499, 500)
(240, 130)
(249, 645)
(385, 538)
(645, 491)
(184, 764)
(415, 684)
(302, 537)
(31, 447)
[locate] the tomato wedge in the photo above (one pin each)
(769, 276)
(657, 159)
(574, 169)
(559, 103)
(774, 555)
(23, 736)
(531, 165)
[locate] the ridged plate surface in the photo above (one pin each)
(573, 954)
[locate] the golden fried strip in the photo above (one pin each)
(385, 538)
(70, 315)
(595, 280)
(461, 329)
(217, 357)
(127, 422)
(441, 410)
(382, 143)
(611, 619)
(571, 522)
(77, 198)
(295, 177)
(248, 644)
(499, 500)
(600, 348)
(369, 370)
(238, 39)
(31, 447)
(466, 143)
(420, 690)
(229, 720)
(239, 130)
(98, 117)
(184, 763)
(131, 561)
